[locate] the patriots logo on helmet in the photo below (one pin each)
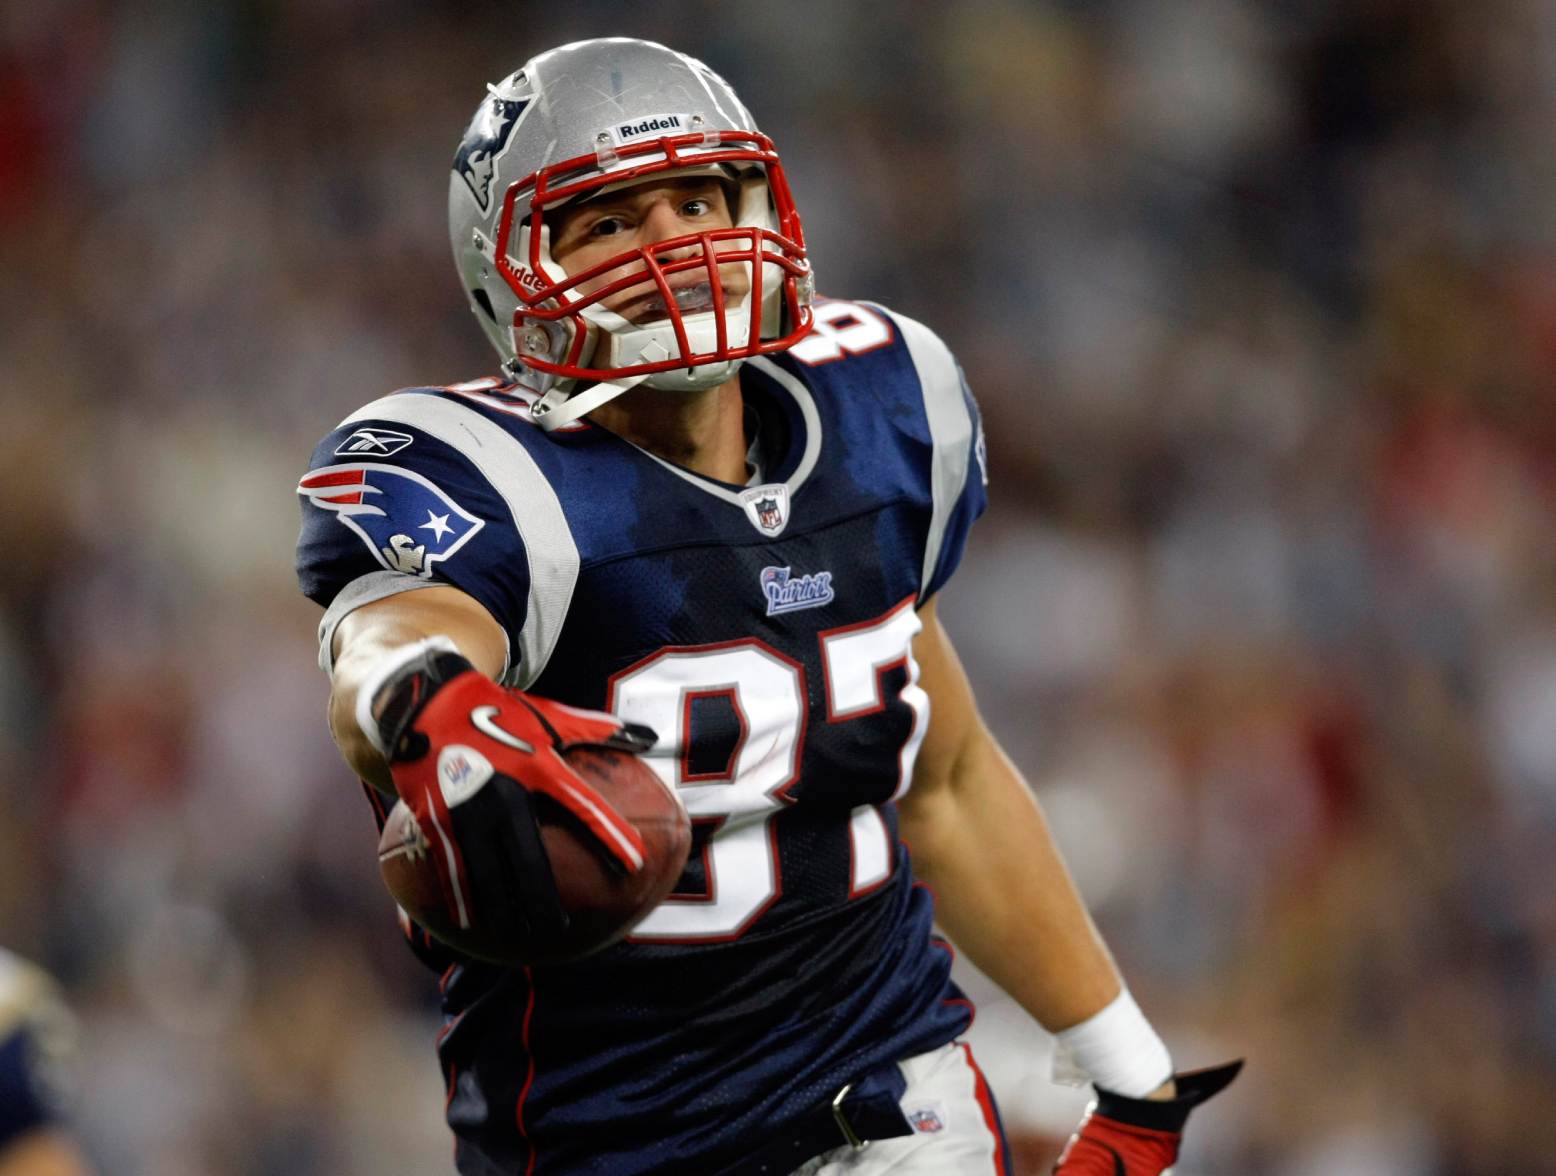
(407, 522)
(485, 138)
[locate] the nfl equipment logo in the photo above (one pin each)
(767, 507)
(926, 1120)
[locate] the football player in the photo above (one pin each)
(34, 1031)
(718, 510)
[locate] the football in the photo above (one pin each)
(602, 904)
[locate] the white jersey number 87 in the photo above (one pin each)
(769, 696)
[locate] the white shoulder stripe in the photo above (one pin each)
(531, 501)
(950, 430)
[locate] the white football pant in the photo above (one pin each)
(955, 1127)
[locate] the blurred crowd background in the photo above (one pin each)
(1259, 299)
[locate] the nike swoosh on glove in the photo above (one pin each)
(1139, 1136)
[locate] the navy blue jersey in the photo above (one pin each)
(764, 632)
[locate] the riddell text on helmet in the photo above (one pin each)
(661, 122)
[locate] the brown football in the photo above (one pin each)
(602, 904)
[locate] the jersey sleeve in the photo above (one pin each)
(958, 473)
(393, 501)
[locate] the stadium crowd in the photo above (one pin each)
(1259, 301)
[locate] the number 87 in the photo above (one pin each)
(769, 695)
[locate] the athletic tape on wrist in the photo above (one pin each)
(1115, 1048)
(381, 671)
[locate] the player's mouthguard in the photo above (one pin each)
(693, 299)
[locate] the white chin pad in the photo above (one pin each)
(706, 375)
(625, 343)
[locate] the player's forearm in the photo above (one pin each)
(353, 665)
(372, 633)
(1003, 892)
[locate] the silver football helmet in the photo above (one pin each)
(596, 116)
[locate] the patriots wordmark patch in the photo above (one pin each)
(767, 507)
(789, 593)
(373, 443)
(407, 522)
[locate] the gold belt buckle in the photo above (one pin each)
(842, 1122)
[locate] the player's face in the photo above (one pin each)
(587, 234)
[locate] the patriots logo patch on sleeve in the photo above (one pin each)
(407, 522)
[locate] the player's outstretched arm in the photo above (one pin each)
(1005, 896)
(416, 712)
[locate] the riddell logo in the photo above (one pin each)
(654, 124)
(529, 279)
(668, 122)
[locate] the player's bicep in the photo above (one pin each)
(955, 727)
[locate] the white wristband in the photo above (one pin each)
(379, 673)
(1116, 1049)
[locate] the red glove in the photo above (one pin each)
(1138, 1136)
(471, 760)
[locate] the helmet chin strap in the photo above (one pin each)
(557, 408)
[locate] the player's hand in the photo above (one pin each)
(1137, 1136)
(470, 759)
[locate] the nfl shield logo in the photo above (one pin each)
(767, 507)
(926, 1120)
